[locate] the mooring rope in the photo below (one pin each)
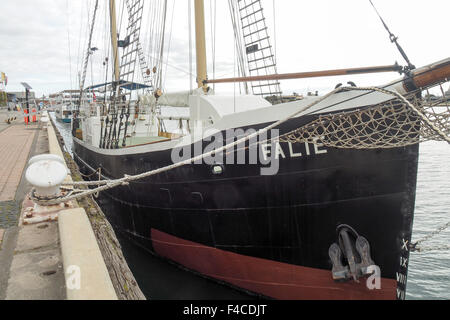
(416, 246)
(126, 179)
(109, 184)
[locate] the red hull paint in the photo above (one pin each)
(270, 278)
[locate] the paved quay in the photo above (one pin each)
(15, 145)
(30, 257)
(38, 243)
(64, 251)
(16, 140)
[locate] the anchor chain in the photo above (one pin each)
(415, 247)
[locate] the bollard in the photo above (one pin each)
(46, 175)
(46, 156)
(45, 121)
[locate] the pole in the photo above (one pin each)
(200, 44)
(28, 105)
(312, 74)
(427, 76)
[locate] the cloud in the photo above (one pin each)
(311, 35)
(34, 48)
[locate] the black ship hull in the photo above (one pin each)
(270, 234)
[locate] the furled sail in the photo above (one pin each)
(172, 99)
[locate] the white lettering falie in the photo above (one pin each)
(290, 150)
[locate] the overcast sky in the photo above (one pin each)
(310, 35)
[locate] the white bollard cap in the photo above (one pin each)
(46, 176)
(46, 156)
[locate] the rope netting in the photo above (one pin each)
(398, 122)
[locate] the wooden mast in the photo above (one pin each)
(112, 14)
(200, 44)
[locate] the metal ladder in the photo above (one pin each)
(145, 70)
(258, 49)
(133, 46)
(147, 79)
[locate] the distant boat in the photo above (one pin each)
(64, 113)
(65, 102)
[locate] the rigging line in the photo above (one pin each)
(68, 40)
(86, 31)
(152, 34)
(164, 17)
(213, 35)
(95, 43)
(88, 52)
(144, 26)
(190, 43)
(157, 39)
(148, 37)
(168, 48)
(106, 44)
(121, 16)
(394, 39)
(172, 66)
(240, 45)
(150, 28)
(234, 73)
(83, 35)
(274, 35)
(162, 43)
(238, 41)
(155, 36)
(79, 38)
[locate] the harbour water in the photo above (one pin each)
(429, 271)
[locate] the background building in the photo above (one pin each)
(21, 96)
(3, 95)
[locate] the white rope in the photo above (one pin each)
(108, 184)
